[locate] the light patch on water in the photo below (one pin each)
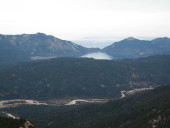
(42, 57)
(98, 55)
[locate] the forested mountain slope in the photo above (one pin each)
(83, 78)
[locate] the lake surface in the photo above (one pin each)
(98, 55)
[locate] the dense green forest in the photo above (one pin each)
(11, 123)
(83, 78)
(6, 122)
(144, 110)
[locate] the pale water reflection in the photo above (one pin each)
(98, 55)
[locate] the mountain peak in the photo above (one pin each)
(36, 34)
(130, 39)
(41, 34)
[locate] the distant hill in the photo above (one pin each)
(150, 109)
(16, 48)
(135, 48)
(78, 77)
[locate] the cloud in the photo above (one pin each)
(72, 19)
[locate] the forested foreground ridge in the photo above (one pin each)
(82, 78)
(6, 122)
(150, 109)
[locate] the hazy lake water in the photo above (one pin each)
(98, 55)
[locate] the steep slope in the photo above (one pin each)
(150, 109)
(40, 44)
(89, 78)
(134, 48)
(9, 54)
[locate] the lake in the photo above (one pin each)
(98, 55)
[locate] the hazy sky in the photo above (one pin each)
(78, 19)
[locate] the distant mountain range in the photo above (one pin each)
(20, 48)
(134, 48)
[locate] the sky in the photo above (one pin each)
(91, 21)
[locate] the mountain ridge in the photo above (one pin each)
(25, 46)
(34, 44)
(135, 48)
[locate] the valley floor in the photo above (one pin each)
(52, 102)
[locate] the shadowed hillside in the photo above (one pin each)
(83, 78)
